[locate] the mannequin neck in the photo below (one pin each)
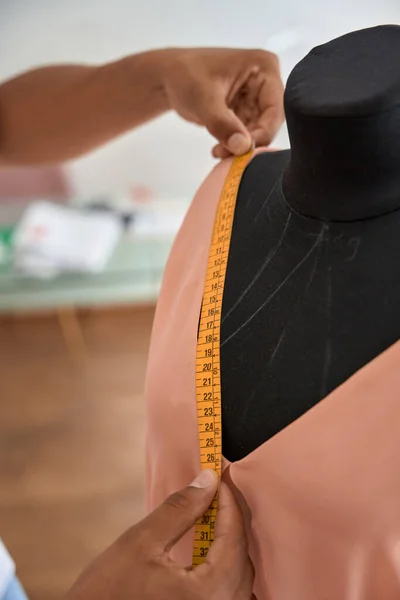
(348, 169)
(342, 107)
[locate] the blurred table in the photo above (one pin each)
(132, 276)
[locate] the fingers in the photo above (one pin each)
(244, 585)
(264, 133)
(227, 560)
(219, 151)
(271, 117)
(261, 109)
(178, 513)
(223, 123)
(233, 135)
(229, 549)
(245, 588)
(270, 104)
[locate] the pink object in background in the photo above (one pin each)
(141, 194)
(33, 182)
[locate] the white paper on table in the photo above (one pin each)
(36, 265)
(53, 238)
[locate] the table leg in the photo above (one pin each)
(72, 334)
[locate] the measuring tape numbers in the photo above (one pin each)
(208, 363)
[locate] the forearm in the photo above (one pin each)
(57, 113)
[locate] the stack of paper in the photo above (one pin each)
(52, 239)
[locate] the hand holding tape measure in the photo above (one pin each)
(138, 567)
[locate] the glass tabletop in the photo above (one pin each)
(133, 275)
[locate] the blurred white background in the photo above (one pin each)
(36, 32)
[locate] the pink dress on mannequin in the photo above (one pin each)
(321, 500)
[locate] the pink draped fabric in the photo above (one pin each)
(321, 499)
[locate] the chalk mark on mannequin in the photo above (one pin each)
(266, 200)
(264, 265)
(285, 280)
(289, 321)
(356, 242)
(248, 200)
(247, 404)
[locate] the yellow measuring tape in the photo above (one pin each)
(208, 366)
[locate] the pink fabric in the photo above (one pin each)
(321, 498)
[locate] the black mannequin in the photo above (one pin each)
(313, 282)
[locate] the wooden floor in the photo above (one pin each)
(71, 443)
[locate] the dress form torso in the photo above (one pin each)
(320, 498)
(313, 281)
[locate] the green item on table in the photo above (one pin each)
(6, 239)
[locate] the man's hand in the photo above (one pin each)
(57, 113)
(138, 567)
(236, 94)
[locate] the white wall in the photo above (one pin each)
(34, 32)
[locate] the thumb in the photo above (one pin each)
(178, 513)
(224, 125)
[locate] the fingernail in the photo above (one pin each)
(205, 479)
(238, 144)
